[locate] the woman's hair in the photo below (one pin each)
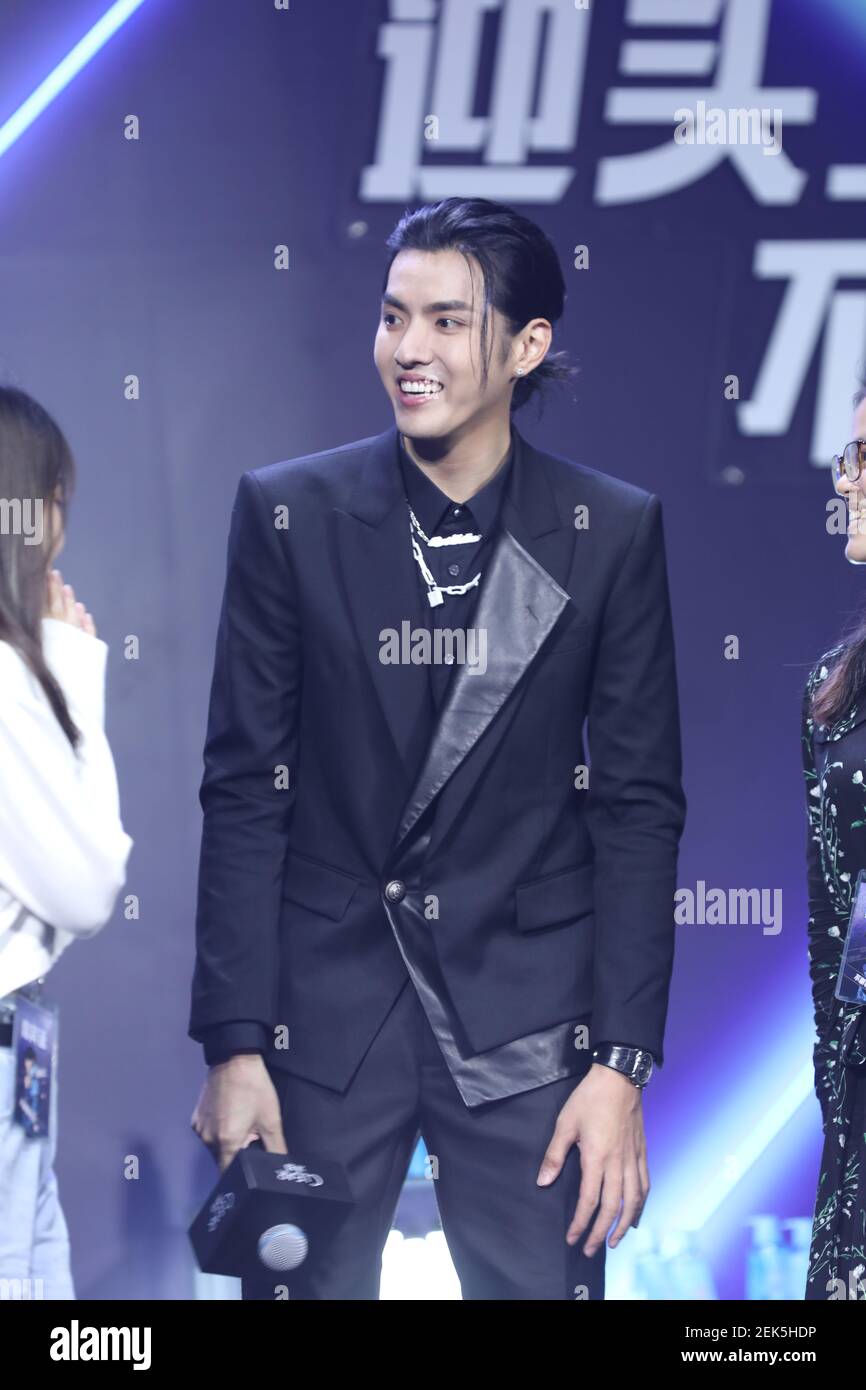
(35, 463)
(846, 681)
(519, 267)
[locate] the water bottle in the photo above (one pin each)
(766, 1261)
(797, 1254)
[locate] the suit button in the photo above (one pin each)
(395, 890)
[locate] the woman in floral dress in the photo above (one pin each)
(834, 764)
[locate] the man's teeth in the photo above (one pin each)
(421, 388)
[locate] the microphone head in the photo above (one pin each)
(283, 1247)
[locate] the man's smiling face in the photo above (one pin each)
(429, 337)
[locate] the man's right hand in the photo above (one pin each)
(238, 1104)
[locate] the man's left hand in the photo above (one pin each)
(604, 1117)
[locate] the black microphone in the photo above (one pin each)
(267, 1210)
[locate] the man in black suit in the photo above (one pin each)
(420, 910)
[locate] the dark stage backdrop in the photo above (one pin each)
(717, 307)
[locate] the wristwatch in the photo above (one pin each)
(634, 1062)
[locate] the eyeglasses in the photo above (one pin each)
(850, 462)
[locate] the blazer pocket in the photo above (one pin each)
(318, 886)
(559, 897)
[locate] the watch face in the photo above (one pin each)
(643, 1070)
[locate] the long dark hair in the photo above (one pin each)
(35, 463)
(520, 270)
(846, 681)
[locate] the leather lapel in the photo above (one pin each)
(522, 595)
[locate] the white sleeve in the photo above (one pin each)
(63, 849)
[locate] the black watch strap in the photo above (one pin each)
(634, 1062)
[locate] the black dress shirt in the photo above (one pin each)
(438, 515)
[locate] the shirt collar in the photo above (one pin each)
(431, 505)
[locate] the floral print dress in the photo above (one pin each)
(834, 765)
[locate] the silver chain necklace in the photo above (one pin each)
(435, 591)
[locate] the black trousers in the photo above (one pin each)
(505, 1234)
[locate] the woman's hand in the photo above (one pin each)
(60, 603)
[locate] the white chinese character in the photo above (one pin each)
(736, 99)
(431, 80)
(813, 309)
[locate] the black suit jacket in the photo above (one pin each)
(540, 902)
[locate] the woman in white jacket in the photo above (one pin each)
(63, 849)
